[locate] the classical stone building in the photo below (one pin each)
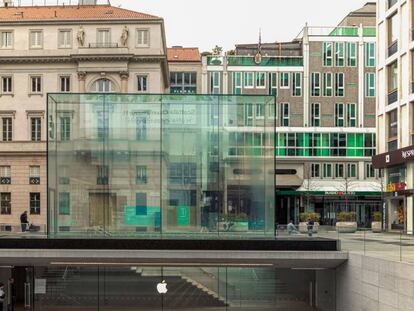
(75, 48)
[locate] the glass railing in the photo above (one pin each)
(274, 61)
(369, 32)
(213, 60)
(392, 97)
(393, 48)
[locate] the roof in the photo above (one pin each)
(70, 12)
(180, 54)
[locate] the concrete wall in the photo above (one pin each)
(371, 284)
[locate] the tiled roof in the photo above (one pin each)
(180, 54)
(69, 12)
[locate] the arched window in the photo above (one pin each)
(103, 86)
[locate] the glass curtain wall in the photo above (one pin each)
(126, 165)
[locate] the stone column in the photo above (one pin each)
(82, 80)
(124, 81)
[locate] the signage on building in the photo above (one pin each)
(395, 187)
(393, 158)
(339, 193)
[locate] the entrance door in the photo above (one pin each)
(102, 208)
(23, 288)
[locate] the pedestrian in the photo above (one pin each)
(24, 222)
(2, 296)
(11, 295)
(310, 225)
(291, 228)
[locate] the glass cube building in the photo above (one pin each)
(128, 165)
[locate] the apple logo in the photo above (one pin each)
(162, 287)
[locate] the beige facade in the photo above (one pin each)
(107, 50)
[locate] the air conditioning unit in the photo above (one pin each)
(7, 3)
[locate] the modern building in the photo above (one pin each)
(185, 70)
(395, 110)
(64, 48)
(324, 83)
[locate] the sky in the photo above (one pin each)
(204, 24)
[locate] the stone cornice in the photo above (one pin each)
(76, 22)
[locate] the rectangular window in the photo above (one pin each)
(339, 115)
(237, 83)
(248, 114)
(260, 111)
(5, 203)
(103, 38)
(316, 115)
(65, 39)
(327, 170)
(65, 128)
(370, 84)
(273, 84)
(7, 85)
(339, 54)
(141, 126)
(393, 29)
(297, 84)
(369, 170)
(284, 80)
(183, 82)
(34, 203)
(215, 82)
(36, 129)
(36, 84)
(351, 54)
(65, 83)
(64, 203)
(315, 170)
(370, 54)
(327, 84)
(339, 170)
(393, 124)
(260, 80)
(142, 83)
(327, 54)
(34, 175)
(5, 175)
(102, 175)
(393, 77)
(36, 39)
(316, 84)
(284, 114)
(351, 170)
(351, 115)
(339, 84)
(6, 40)
(248, 80)
(7, 129)
(141, 177)
(143, 38)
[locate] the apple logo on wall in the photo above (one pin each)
(162, 287)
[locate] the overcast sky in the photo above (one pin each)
(226, 22)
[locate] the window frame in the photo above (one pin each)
(7, 47)
(246, 79)
(351, 59)
(140, 77)
(337, 166)
(5, 205)
(263, 80)
(142, 44)
(338, 117)
(10, 84)
(327, 88)
(215, 76)
(273, 83)
(370, 90)
(351, 120)
(35, 129)
(39, 84)
(327, 59)
(283, 116)
(315, 84)
(327, 167)
(61, 36)
(282, 77)
(370, 60)
(237, 88)
(369, 167)
(315, 117)
(339, 54)
(141, 179)
(103, 43)
(296, 84)
(7, 129)
(338, 88)
(65, 89)
(33, 209)
(31, 33)
(315, 170)
(349, 167)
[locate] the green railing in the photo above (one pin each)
(344, 32)
(265, 61)
(369, 32)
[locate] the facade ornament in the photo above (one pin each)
(81, 75)
(125, 36)
(124, 75)
(217, 51)
(258, 56)
(81, 36)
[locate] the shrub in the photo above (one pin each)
(346, 217)
(377, 216)
(315, 217)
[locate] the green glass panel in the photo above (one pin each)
(344, 32)
(265, 62)
(369, 32)
(325, 145)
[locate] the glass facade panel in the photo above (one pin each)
(162, 165)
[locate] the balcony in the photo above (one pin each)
(282, 61)
(5, 180)
(34, 180)
(393, 48)
(103, 45)
(392, 97)
(369, 32)
(391, 3)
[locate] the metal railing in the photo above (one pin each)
(275, 61)
(103, 45)
(392, 97)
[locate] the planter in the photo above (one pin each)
(346, 227)
(376, 226)
(303, 228)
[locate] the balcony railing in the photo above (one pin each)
(393, 48)
(392, 97)
(5, 180)
(369, 32)
(391, 3)
(412, 87)
(412, 34)
(273, 61)
(103, 45)
(34, 180)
